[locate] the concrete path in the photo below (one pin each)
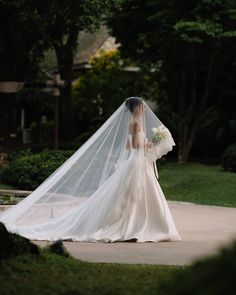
(203, 230)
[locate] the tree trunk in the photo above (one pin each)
(187, 131)
(65, 64)
(8, 124)
(65, 56)
(183, 151)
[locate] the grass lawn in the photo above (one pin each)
(194, 182)
(6, 186)
(198, 183)
(6, 199)
(53, 274)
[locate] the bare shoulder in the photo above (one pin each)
(134, 127)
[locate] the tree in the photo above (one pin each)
(22, 43)
(21, 49)
(29, 27)
(63, 20)
(189, 43)
(101, 90)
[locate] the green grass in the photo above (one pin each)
(53, 274)
(6, 186)
(5, 200)
(198, 183)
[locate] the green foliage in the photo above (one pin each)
(12, 245)
(208, 28)
(212, 275)
(229, 158)
(22, 40)
(103, 88)
(30, 171)
(9, 199)
(191, 44)
(17, 154)
(58, 248)
(62, 21)
(45, 24)
(62, 18)
(192, 182)
(28, 29)
(207, 22)
(5, 186)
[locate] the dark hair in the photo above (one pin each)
(132, 102)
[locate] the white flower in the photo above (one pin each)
(159, 134)
(154, 130)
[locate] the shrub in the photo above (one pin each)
(28, 172)
(229, 158)
(211, 275)
(13, 245)
(58, 248)
(102, 89)
(17, 154)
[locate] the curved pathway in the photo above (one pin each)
(204, 229)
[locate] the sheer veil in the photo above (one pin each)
(87, 169)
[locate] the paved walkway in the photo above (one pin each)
(203, 229)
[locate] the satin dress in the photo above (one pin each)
(130, 204)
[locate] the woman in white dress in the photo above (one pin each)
(108, 190)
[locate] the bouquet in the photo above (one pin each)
(159, 134)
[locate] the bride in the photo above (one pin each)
(108, 190)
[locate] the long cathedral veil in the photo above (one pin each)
(86, 170)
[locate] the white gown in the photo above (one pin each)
(129, 205)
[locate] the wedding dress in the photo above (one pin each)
(127, 203)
